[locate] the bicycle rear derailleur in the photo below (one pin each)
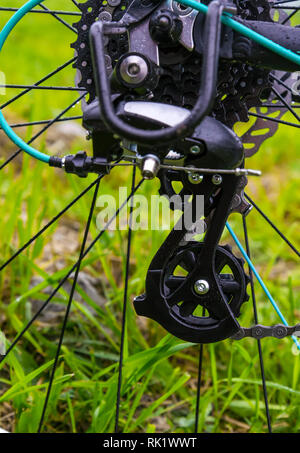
(158, 97)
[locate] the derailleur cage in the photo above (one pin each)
(173, 300)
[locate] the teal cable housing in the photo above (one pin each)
(243, 30)
(3, 123)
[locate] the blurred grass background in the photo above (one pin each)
(160, 372)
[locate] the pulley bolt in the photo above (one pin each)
(150, 166)
(217, 180)
(201, 287)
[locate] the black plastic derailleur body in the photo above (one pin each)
(166, 135)
(171, 300)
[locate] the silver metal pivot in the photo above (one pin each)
(134, 70)
(201, 287)
(150, 166)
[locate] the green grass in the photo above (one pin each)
(160, 371)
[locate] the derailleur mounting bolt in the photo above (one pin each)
(134, 70)
(217, 180)
(201, 287)
(150, 166)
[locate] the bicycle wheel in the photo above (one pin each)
(78, 358)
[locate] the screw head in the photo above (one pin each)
(217, 180)
(201, 287)
(105, 16)
(195, 178)
(133, 69)
(195, 149)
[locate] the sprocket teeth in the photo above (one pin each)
(90, 12)
(242, 263)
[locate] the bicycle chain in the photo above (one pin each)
(259, 331)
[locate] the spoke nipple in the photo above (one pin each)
(201, 287)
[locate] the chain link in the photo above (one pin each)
(259, 331)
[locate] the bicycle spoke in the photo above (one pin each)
(43, 130)
(296, 8)
(48, 76)
(275, 120)
(62, 13)
(75, 3)
(71, 296)
(197, 412)
(39, 123)
(35, 87)
(200, 363)
(283, 237)
(275, 106)
(262, 368)
(280, 2)
(281, 82)
(73, 268)
(49, 224)
(288, 18)
(62, 21)
(127, 269)
(10, 159)
(287, 106)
